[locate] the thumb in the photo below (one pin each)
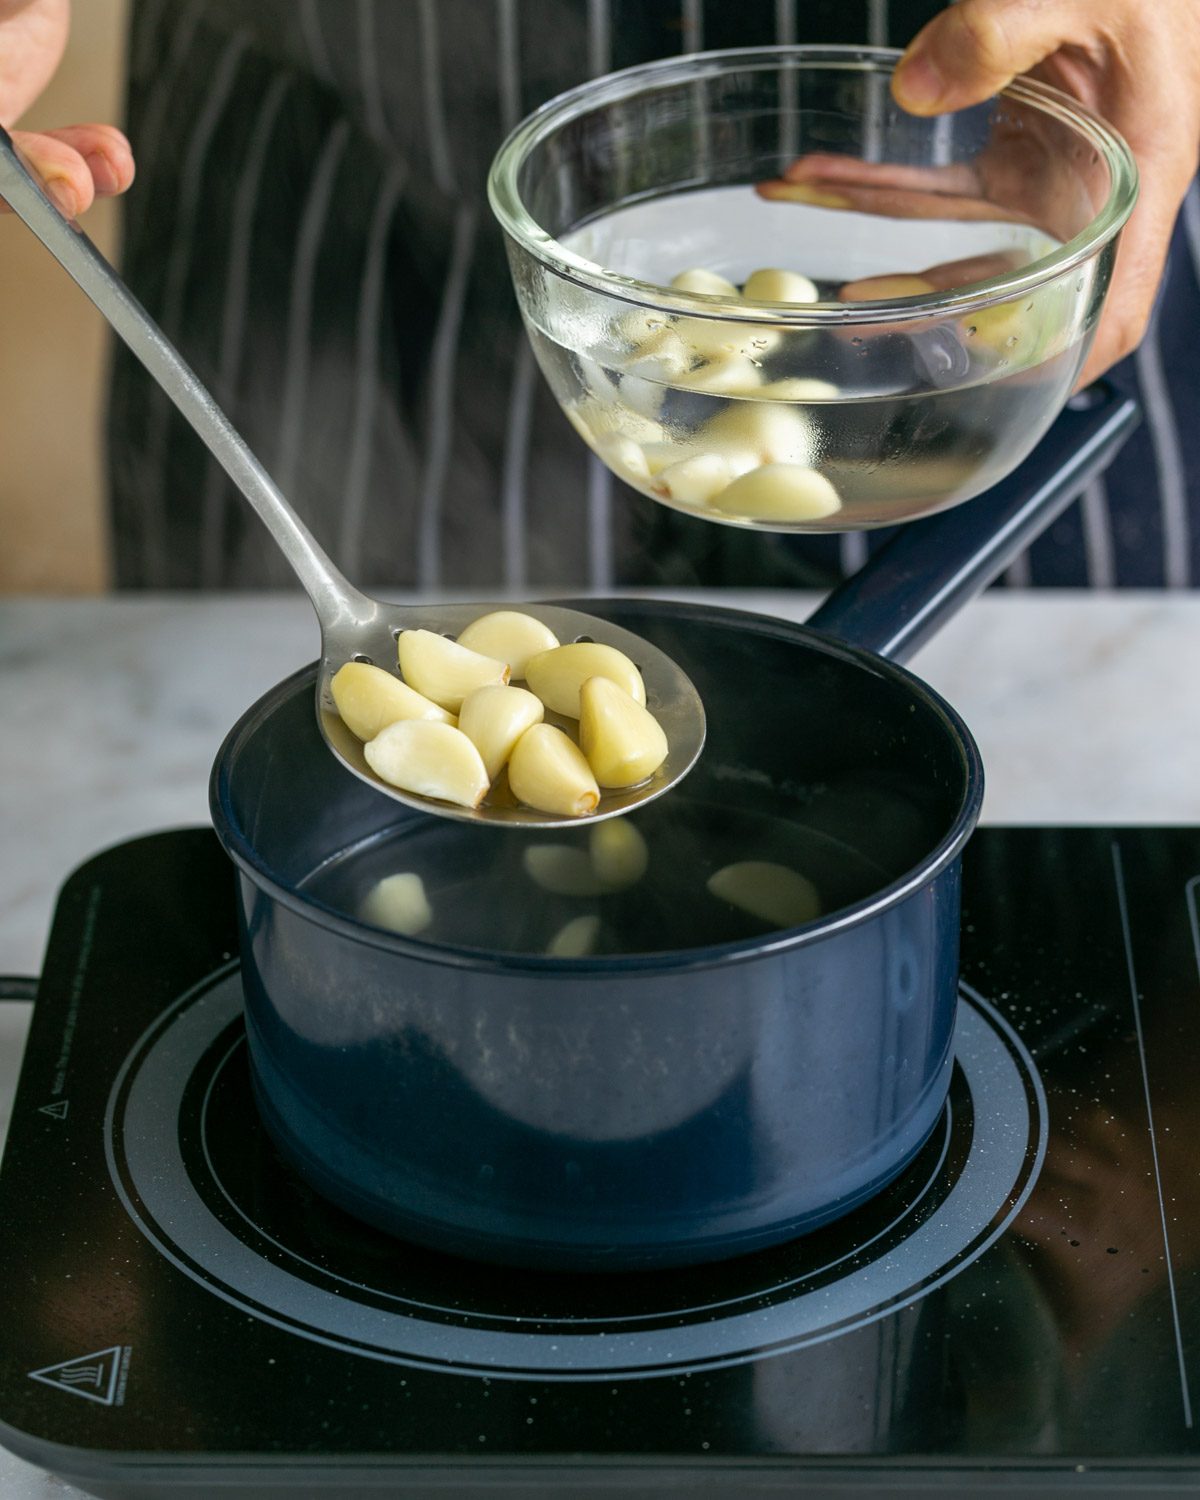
(971, 50)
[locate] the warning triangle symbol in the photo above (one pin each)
(92, 1376)
(58, 1109)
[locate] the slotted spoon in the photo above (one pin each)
(354, 627)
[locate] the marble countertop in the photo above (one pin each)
(1085, 709)
(1085, 706)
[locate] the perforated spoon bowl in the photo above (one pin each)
(354, 627)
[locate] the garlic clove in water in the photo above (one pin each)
(774, 433)
(695, 480)
(773, 893)
(562, 869)
(623, 457)
(780, 492)
(399, 903)
(576, 938)
(619, 854)
(799, 388)
(593, 420)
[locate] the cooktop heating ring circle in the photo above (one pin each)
(157, 1188)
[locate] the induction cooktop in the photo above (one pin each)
(1018, 1314)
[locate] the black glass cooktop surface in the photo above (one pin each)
(1019, 1313)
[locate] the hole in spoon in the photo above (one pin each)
(367, 661)
(585, 640)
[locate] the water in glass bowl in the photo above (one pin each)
(829, 428)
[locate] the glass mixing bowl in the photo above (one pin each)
(765, 295)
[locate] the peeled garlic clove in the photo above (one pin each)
(443, 670)
(798, 388)
(733, 375)
(720, 340)
(780, 492)
(548, 771)
(576, 939)
(773, 285)
(429, 759)
(659, 358)
(399, 903)
(593, 420)
(771, 892)
(619, 854)
(640, 326)
(705, 283)
(510, 636)
(693, 481)
(1001, 326)
(562, 869)
(556, 676)
(643, 394)
(885, 288)
(369, 699)
(624, 742)
(775, 434)
(494, 718)
(623, 457)
(662, 455)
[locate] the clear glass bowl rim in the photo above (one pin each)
(691, 67)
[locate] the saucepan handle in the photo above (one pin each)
(931, 568)
(18, 987)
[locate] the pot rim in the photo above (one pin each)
(678, 960)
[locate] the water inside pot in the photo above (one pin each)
(847, 839)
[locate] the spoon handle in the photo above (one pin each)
(332, 596)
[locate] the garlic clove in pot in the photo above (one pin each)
(399, 903)
(619, 854)
(576, 938)
(723, 373)
(773, 893)
(562, 869)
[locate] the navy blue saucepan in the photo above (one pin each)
(703, 1092)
